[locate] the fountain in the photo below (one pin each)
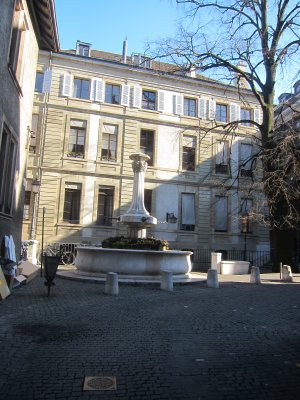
(98, 260)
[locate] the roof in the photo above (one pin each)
(43, 17)
(158, 66)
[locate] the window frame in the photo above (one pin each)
(189, 111)
(149, 104)
(242, 112)
(75, 194)
(108, 205)
(8, 161)
(102, 156)
(220, 108)
(149, 150)
(80, 95)
(111, 95)
(222, 168)
(216, 213)
(191, 227)
(188, 161)
(78, 129)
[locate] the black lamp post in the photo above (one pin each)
(50, 268)
(35, 188)
(245, 230)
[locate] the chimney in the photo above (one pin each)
(124, 53)
(240, 80)
(191, 72)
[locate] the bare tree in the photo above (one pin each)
(255, 41)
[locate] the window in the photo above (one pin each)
(105, 205)
(188, 219)
(72, 203)
(112, 94)
(221, 112)
(77, 138)
(8, 152)
(148, 200)
(39, 79)
(81, 89)
(222, 157)
(109, 142)
(148, 100)
(246, 208)
(19, 27)
(147, 144)
(141, 60)
(189, 107)
(221, 214)
(245, 114)
(188, 153)
(246, 159)
(83, 49)
(26, 204)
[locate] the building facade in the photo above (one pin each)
(25, 26)
(93, 109)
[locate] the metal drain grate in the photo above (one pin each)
(100, 383)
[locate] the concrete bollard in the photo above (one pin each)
(212, 279)
(166, 282)
(112, 284)
(255, 275)
(287, 275)
(215, 261)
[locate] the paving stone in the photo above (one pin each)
(246, 336)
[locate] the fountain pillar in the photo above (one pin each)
(137, 218)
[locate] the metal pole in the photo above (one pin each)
(280, 270)
(32, 230)
(245, 246)
(43, 225)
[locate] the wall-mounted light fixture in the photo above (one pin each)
(171, 218)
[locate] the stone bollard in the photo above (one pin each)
(255, 275)
(166, 282)
(287, 275)
(212, 279)
(111, 284)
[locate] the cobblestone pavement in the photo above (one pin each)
(241, 341)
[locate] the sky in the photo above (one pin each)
(106, 23)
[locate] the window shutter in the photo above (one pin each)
(246, 153)
(178, 104)
(125, 100)
(221, 213)
(161, 101)
(234, 112)
(97, 90)
(202, 108)
(47, 81)
(222, 153)
(211, 109)
(188, 209)
(258, 116)
(67, 84)
(137, 97)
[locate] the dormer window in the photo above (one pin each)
(83, 49)
(141, 60)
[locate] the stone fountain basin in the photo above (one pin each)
(132, 262)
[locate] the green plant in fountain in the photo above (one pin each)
(121, 242)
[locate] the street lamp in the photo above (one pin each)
(35, 188)
(245, 230)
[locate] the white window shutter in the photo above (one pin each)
(137, 97)
(211, 109)
(125, 100)
(202, 113)
(47, 81)
(188, 209)
(234, 112)
(161, 101)
(258, 116)
(67, 85)
(97, 90)
(178, 104)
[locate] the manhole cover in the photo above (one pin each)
(100, 383)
